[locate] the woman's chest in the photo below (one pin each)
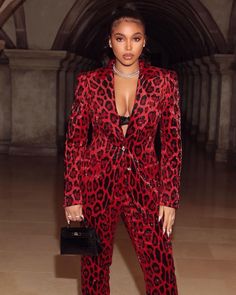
(108, 104)
(125, 94)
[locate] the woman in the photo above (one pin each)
(119, 173)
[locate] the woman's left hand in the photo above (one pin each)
(168, 214)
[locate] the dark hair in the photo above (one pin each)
(126, 11)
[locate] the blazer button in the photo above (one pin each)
(129, 168)
(123, 148)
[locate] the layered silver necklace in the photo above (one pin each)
(124, 75)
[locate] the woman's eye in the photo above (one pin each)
(137, 39)
(119, 39)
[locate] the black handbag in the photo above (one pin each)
(82, 240)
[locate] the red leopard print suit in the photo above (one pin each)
(120, 175)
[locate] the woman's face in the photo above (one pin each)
(127, 40)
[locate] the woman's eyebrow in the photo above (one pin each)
(138, 33)
(120, 34)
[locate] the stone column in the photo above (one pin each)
(204, 104)
(224, 117)
(5, 105)
(213, 104)
(34, 77)
(232, 152)
(62, 95)
(196, 100)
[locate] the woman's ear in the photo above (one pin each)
(145, 40)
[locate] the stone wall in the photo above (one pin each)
(36, 89)
(208, 100)
(5, 107)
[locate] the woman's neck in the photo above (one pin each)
(127, 69)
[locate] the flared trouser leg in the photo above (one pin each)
(95, 271)
(153, 249)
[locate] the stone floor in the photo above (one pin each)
(31, 216)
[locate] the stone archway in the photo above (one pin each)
(15, 8)
(6, 9)
(175, 25)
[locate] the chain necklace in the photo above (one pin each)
(124, 75)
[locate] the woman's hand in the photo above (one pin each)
(74, 213)
(168, 214)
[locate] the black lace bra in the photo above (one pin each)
(124, 120)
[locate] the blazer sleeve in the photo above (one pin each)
(76, 142)
(171, 144)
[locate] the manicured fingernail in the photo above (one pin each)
(164, 230)
(159, 218)
(169, 233)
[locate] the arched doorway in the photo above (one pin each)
(178, 31)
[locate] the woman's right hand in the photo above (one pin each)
(74, 213)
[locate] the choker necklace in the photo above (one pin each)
(124, 75)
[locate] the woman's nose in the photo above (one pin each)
(128, 45)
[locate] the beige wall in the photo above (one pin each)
(221, 11)
(5, 108)
(43, 20)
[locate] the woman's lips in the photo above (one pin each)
(128, 56)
